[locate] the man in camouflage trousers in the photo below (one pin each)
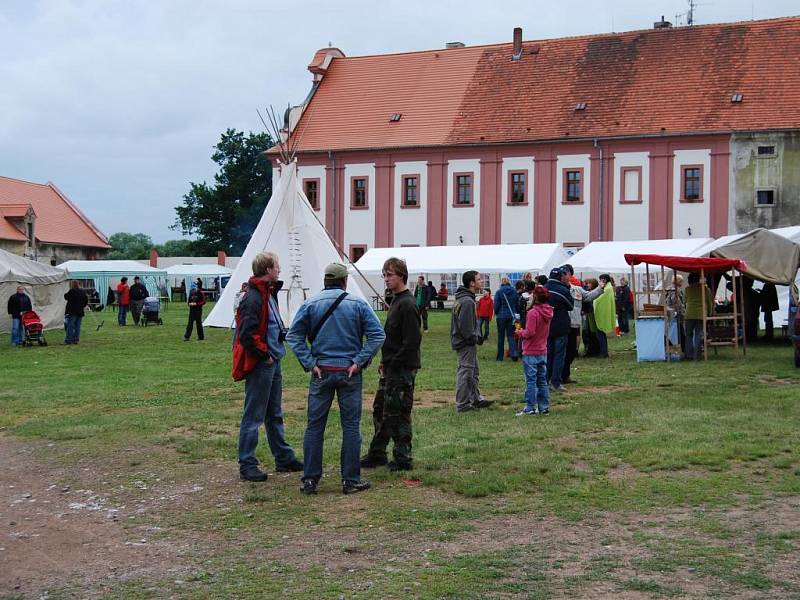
(400, 359)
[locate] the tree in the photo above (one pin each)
(224, 216)
(135, 246)
(177, 248)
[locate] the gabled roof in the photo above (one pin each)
(651, 82)
(58, 221)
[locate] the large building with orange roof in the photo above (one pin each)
(38, 221)
(670, 132)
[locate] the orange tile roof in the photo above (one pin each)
(650, 82)
(58, 221)
(9, 232)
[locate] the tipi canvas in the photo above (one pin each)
(290, 229)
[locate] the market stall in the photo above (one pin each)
(654, 320)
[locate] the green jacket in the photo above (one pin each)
(605, 311)
(693, 300)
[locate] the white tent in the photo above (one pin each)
(609, 257)
(506, 258)
(290, 229)
(191, 272)
(45, 285)
(107, 273)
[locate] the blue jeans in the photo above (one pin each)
(602, 339)
(505, 330)
(320, 398)
(72, 326)
(122, 311)
(556, 351)
(483, 323)
(263, 390)
(16, 332)
(536, 394)
(694, 338)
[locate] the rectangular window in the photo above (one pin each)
(358, 192)
(573, 186)
(462, 189)
(766, 150)
(517, 188)
(311, 190)
(630, 185)
(357, 251)
(765, 198)
(692, 183)
(410, 191)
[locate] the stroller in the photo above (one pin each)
(34, 330)
(150, 311)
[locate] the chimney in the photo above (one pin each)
(154, 258)
(517, 44)
(221, 258)
(662, 24)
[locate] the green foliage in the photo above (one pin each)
(134, 246)
(223, 216)
(177, 248)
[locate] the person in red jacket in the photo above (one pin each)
(485, 312)
(123, 300)
(534, 354)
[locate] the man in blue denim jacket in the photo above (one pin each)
(336, 356)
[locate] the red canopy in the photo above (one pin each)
(687, 263)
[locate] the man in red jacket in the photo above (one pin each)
(485, 312)
(257, 352)
(123, 300)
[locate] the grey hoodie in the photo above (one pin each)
(463, 322)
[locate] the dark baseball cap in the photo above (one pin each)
(557, 273)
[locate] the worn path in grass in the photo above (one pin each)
(647, 481)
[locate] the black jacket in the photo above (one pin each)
(403, 338)
(76, 301)
(562, 303)
(18, 304)
(138, 292)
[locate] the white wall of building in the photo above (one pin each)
(691, 215)
(631, 221)
(410, 224)
(315, 172)
(516, 225)
(572, 221)
(464, 221)
(359, 225)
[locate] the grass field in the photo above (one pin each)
(119, 480)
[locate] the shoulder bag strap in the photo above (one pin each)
(313, 335)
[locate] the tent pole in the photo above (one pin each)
(635, 300)
(647, 280)
(705, 318)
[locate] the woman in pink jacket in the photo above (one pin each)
(534, 354)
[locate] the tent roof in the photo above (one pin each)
(507, 258)
(207, 270)
(609, 257)
(22, 270)
(790, 233)
(770, 257)
(687, 264)
(121, 267)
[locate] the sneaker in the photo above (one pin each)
(353, 487)
(293, 466)
(525, 412)
(484, 403)
(467, 408)
(557, 388)
(400, 466)
(253, 474)
(309, 487)
(369, 462)
(545, 412)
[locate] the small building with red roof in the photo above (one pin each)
(669, 132)
(40, 222)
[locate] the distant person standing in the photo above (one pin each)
(422, 300)
(534, 354)
(485, 313)
(431, 294)
(123, 300)
(560, 298)
(138, 293)
(465, 339)
(579, 296)
(442, 296)
(196, 300)
(506, 304)
(400, 359)
(77, 300)
(18, 303)
(335, 335)
(622, 299)
(693, 316)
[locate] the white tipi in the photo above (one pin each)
(290, 229)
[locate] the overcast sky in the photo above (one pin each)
(119, 102)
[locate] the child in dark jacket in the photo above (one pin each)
(534, 353)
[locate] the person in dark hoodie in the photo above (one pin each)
(73, 314)
(561, 300)
(400, 359)
(18, 303)
(138, 293)
(465, 339)
(257, 353)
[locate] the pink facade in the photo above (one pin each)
(602, 165)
